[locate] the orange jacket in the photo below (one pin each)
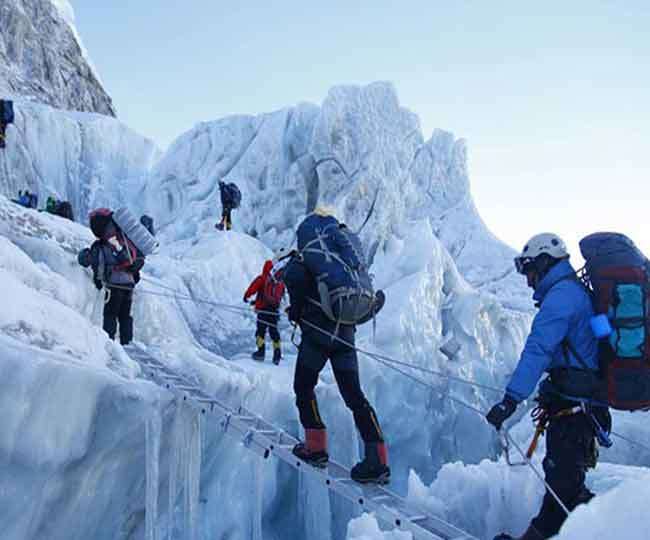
(257, 287)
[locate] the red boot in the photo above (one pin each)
(314, 449)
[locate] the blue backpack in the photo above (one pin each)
(334, 256)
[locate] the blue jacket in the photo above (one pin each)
(565, 312)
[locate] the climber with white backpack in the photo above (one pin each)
(331, 292)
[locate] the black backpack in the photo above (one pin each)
(231, 195)
(6, 111)
(64, 209)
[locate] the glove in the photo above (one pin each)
(115, 243)
(98, 284)
(293, 314)
(245, 300)
(501, 412)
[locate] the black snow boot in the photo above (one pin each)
(260, 352)
(277, 353)
(374, 468)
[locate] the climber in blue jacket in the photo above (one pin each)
(562, 344)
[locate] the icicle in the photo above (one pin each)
(258, 494)
(153, 428)
(314, 506)
(192, 474)
(174, 466)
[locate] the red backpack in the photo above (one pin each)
(273, 290)
(620, 277)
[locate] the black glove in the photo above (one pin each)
(245, 300)
(293, 314)
(98, 284)
(501, 412)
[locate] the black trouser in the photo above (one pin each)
(570, 450)
(118, 308)
(312, 357)
(270, 321)
(226, 217)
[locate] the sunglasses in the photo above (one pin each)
(523, 264)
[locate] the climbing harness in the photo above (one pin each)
(541, 417)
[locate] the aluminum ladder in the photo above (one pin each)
(266, 440)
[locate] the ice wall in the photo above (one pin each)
(89, 159)
(359, 146)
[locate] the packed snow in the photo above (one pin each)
(92, 449)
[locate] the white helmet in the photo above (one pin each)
(541, 244)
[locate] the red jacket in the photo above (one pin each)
(257, 287)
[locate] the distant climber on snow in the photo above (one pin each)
(6, 118)
(561, 343)
(269, 290)
(330, 293)
(59, 208)
(27, 199)
(230, 200)
(147, 222)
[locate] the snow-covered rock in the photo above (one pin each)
(41, 58)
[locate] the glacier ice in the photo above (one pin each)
(88, 159)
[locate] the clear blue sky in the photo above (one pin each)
(552, 97)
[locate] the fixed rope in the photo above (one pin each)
(391, 363)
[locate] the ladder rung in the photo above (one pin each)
(416, 518)
(266, 432)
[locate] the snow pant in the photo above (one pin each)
(268, 321)
(312, 357)
(117, 307)
(571, 449)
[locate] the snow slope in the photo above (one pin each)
(426, 295)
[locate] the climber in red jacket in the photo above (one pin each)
(269, 289)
